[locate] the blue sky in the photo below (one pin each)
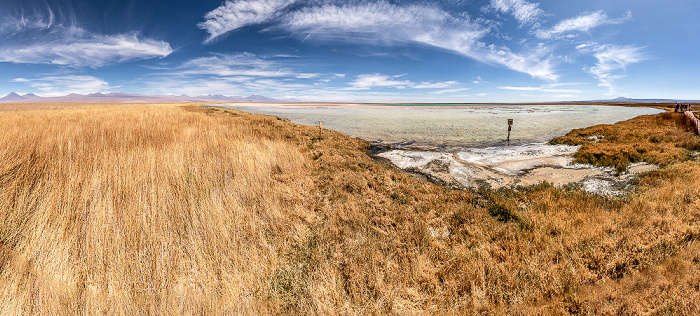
(367, 51)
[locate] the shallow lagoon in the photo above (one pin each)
(460, 126)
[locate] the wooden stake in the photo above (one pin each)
(320, 128)
(510, 124)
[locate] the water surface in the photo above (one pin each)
(450, 125)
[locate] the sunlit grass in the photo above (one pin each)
(142, 208)
(659, 139)
(172, 209)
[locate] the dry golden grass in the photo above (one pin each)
(151, 209)
(659, 139)
(186, 209)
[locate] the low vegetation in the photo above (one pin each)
(659, 139)
(172, 209)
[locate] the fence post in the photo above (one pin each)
(510, 124)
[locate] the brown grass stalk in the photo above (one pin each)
(183, 209)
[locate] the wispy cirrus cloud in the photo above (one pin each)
(11, 25)
(240, 64)
(445, 91)
(550, 88)
(523, 11)
(385, 23)
(229, 86)
(582, 23)
(62, 85)
(434, 85)
(37, 40)
(77, 48)
(244, 66)
(368, 81)
(233, 74)
(190, 86)
(611, 61)
(232, 15)
(478, 80)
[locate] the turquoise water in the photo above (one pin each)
(451, 125)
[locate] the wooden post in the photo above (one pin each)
(510, 124)
(320, 128)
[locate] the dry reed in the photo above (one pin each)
(188, 210)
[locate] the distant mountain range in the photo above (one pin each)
(13, 97)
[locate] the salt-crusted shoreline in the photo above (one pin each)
(445, 143)
(501, 167)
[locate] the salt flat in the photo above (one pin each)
(436, 125)
(465, 146)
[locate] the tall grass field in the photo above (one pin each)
(184, 209)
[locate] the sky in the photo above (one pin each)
(354, 51)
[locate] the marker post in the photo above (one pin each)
(510, 125)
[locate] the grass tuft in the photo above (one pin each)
(658, 139)
(184, 209)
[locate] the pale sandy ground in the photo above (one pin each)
(514, 166)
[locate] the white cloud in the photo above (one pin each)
(266, 85)
(241, 64)
(307, 76)
(612, 61)
(326, 95)
(237, 14)
(12, 25)
(581, 23)
(232, 74)
(434, 85)
(534, 63)
(93, 51)
(41, 41)
(385, 23)
(216, 85)
(550, 97)
(368, 81)
(523, 11)
(331, 77)
(478, 80)
(544, 88)
(62, 85)
(449, 91)
(191, 86)
(382, 21)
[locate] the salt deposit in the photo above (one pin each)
(466, 146)
(525, 165)
(513, 160)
